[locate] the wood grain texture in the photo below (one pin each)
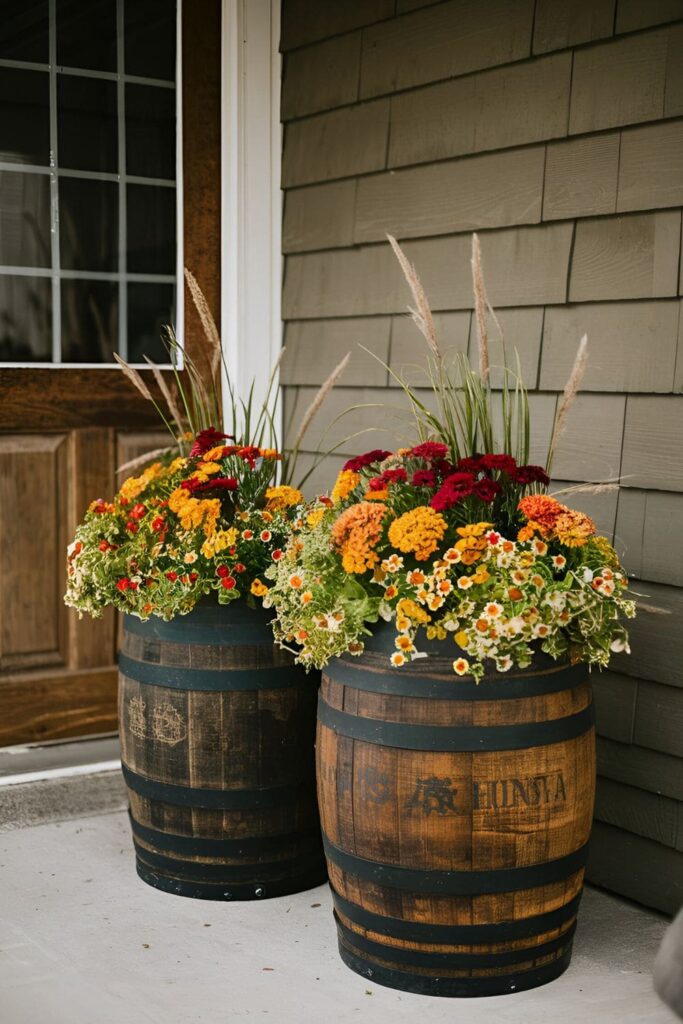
(319, 216)
(508, 106)
(619, 82)
(57, 704)
(630, 257)
(558, 24)
(638, 812)
(304, 21)
(650, 548)
(615, 702)
(453, 811)
(444, 41)
(578, 457)
(644, 769)
(639, 868)
(495, 190)
(659, 718)
(348, 141)
(243, 824)
(321, 76)
(634, 14)
(314, 347)
(656, 641)
(631, 345)
(651, 167)
(581, 176)
(652, 454)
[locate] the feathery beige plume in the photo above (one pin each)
(570, 391)
(134, 377)
(318, 400)
(166, 392)
(481, 304)
(654, 609)
(141, 459)
(602, 488)
(206, 317)
(422, 314)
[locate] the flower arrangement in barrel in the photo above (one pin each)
(453, 539)
(207, 516)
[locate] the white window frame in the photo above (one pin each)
(251, 199)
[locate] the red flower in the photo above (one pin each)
(190, 485)
(454, 488)
(158, 524)
(470, 464)
(394, 476)
(207, 439)
(219, 483)
(368, 459)
(277, 555)
(376, 483)
(250, 454)
(228, 582)
(133, 585)
(137, 511)
(132, 527)
(530, 475)
(430, 450)
(104, 545)
(172, 576)
(193, 577)
(222, 571)
(503, 463)
(123, 584)
(239, 567)
(486, 489)
(424, 478)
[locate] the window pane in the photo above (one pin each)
(151, 229)
(150, 131)
(86, 34)
(25, 319)
(24, 116)
(24, 219)
(88, 224)
(150, 31)
(88, 139)
(150, 308)
(89, 321)
(24, 30)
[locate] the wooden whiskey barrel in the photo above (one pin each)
(455, 818)
(217, 727)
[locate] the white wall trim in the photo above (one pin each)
(251, 200)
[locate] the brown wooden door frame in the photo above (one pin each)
(64, 430)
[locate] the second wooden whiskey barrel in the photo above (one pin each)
(217, 728)
(455, 818)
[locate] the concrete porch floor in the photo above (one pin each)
(83, 941)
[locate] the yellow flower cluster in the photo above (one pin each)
(135, 485)
(355, 535)
(472, 543)
(282, 497)
(344, 484)
(194, 512)
(219, 541)
(418, 531)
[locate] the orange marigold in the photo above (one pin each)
(356, 533)
(418, 531)
(344, 484)
(573, 528)
(542, 509)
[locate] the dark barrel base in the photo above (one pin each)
(455, 988)
(228, 891)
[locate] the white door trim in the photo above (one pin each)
(251, 200)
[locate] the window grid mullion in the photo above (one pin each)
(123, 229)
(54, 189)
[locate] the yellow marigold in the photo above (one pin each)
(271, 454)
(177, 464)
(346, 482)
(314, 517)
(356, 533)
(219, 541)
(283, 497)
(376, 495)
(258, 588)
(573, 528)
(608, 553)
(213, 454)
(135, 485)
(412, 610)
(418, 531)
(473, 529)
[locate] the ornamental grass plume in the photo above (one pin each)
(570, 392)
(422, 314)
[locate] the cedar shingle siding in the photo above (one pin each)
(554, 129)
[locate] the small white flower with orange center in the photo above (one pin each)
(508, 546)
(422, 595)
(461, 666)
(265, 536)
(440, 572)
(434, 602)
(452, 556)
(537, 581)
(540, 546)
(541, 630)
(416, 578)
(248, 534)
(515, 625)
(397, 659)
(503, 560)
(519, 576)
(404, 643)
(464, 583)
(391, 591)
(403, 624)
(306, 597)
(564, 617)
(444, 587)
(559, 561)
(493, 610)
(504, 664)
(295, 581)
(481, 625)
(555, 600)
(190, 557)
(393, 563)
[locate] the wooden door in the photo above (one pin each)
(64, 431)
